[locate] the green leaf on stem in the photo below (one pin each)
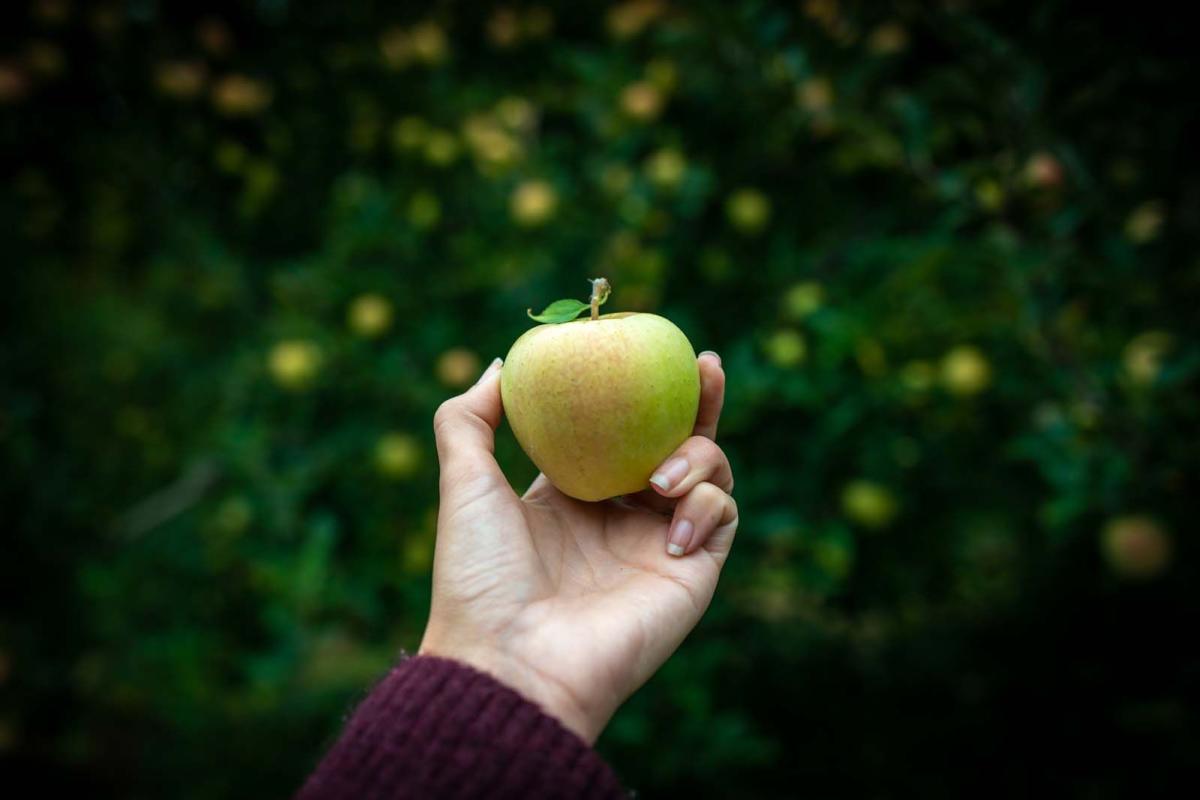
(559, 311)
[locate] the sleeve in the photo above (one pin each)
(435, 728)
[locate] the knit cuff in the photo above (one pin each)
(438, 728)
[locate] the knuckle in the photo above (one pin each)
(709, 495)
(715, 503)
(703, 450)
(732, 516)
(444, 417)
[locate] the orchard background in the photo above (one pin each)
(947, 251)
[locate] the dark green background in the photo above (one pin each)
(961, 352)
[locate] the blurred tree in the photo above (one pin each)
(947, 253)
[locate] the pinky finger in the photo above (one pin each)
(704, 511)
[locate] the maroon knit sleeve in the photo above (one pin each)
(435, 728)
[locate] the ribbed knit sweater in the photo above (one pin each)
(435, 728)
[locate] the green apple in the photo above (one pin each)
(598, 403)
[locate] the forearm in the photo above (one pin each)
(437, 728)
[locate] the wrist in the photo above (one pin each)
(531, 683)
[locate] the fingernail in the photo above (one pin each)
(680, 537)
(713, 354)
(491, 368)
(670, 473)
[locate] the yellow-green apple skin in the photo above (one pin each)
(598, 404)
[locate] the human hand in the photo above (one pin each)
(573, 604)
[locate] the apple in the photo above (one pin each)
(966, 371)
(748, 210)
(1136, 547)
(370, 315)
(457, 367)
(786, 348)
(533, 203)
(294, 363)
(869, 503)
(598, 403)
(1144, 355)
(642, 101)
(397, 455)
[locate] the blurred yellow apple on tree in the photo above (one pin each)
(1136, 547)
(598, 403)
(965, 371)
(803, 299)
(533, 203)
(1145, 222)
(869, 504)
(457, 367)
(397, 455)
(748, 210)
(1144, 355)
(666, 168)
(240, 96)
(370, 315)
(785, 348)
(642, 101)
(1043, 171)
(294, 363)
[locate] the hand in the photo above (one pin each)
(573, 604)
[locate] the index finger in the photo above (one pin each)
(712, 395)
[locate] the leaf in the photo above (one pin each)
(559, 311)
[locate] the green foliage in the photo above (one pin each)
(947, 255)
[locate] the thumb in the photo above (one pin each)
(465, 428)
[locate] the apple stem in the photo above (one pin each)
(600, 290)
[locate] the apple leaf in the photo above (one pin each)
(559, 311)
